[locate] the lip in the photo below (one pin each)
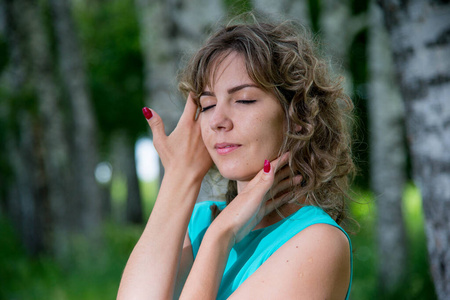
(225, 148)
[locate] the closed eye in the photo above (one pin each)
(202, 109)
(246, 101)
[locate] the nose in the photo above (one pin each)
(220, 119)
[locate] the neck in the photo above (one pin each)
(272, 217)
(241, 185)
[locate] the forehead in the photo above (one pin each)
(227, 70)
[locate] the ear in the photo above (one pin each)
(297, 128)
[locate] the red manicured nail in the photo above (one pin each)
(266, 166)
(147, 113)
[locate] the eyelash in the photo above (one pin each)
(202, 109)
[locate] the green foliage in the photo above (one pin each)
(237, 7)
(110, 36)
(358, 54)
(314, 13)
(418, 284)
(87, 275)
(149, 191)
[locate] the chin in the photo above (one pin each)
(237, 175)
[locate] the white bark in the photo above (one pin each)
(387, 155)
(55, 146)
(419, 33)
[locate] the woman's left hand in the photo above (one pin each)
(254, 202)
(234, 223)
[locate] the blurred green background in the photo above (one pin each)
(115, 54)
(90, 275)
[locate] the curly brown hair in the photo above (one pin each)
(283, 59)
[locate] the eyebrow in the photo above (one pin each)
(240, 87)
(231, 90)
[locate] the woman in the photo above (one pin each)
(262, 107)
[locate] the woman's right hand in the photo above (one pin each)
(183, 151)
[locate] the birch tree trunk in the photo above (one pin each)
(26, 207)
(54, 143)
(170, 29)
(419, 34)
(25, 202)
(84, 131)
(387, 155)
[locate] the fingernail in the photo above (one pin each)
(266, 166)
(147, 113)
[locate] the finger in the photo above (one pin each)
(281, 161)
(263, 180)
(190, 109)
(277, 202)
(283, 173)
(156, 124)
(266, 178)
(286, 185)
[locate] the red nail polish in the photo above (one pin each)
(147, 113)
(266, 166)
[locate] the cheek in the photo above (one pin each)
(275, 131)
(203, 128)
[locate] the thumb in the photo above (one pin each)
(264, 180)
(155, 122)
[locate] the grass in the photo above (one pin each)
(92, 274)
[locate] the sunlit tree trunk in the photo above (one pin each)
(170, 29)
(84, 129)
(387, 155)
(55, 149)
(419, 33)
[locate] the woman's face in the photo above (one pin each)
(241, 124)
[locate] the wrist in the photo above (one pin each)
(220, 233)
(180, 174)
(178, 178)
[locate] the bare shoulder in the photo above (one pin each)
(314, 264)
(324, 238)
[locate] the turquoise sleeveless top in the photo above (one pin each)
(250, 253)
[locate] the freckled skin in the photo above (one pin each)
(258, 127)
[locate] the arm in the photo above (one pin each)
(187, 259)
(152, 268)
(154, 265)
